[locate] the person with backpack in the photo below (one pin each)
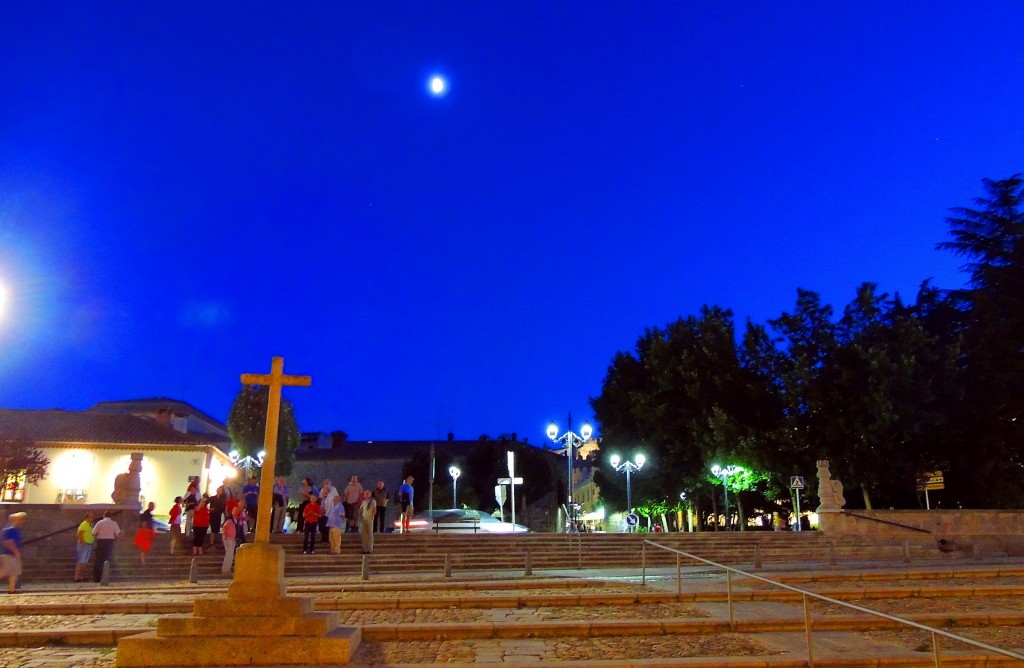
(218, 504)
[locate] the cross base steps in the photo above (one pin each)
(256, 625)
(150, 649)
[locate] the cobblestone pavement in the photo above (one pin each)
(57, 657)
(921, 641)
(858, 583)
(513, 651)
(560, 649)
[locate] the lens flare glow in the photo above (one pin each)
(438, 86)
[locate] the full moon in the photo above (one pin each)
(438, 86)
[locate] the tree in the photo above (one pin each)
(684, 399)
(990, 323)
(247, 424)
(21, 460)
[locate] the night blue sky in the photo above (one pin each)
(187, 189)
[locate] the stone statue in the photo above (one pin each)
(128, 486)
(829, 491)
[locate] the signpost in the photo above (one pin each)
(511, 481)
(929, 481)
(632, 520)
(797, 483)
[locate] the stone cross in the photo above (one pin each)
(275, 380)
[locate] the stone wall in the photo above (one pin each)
(50, 529)
(976, 531)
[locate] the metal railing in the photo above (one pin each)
(935, 633)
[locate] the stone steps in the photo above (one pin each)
(514, 635)
(426, 552)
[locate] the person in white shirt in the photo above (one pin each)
(105, 532)
(328, 498)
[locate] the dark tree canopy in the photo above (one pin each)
(886, 391)
(21, 457)
(247, 423)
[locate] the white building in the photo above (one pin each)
(89, 449)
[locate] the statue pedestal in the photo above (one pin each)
(255, 625)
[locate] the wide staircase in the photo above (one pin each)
(438, 553)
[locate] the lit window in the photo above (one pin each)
(14, 488)
(71, 496)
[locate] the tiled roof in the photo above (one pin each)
(55, 426)
(154, 404)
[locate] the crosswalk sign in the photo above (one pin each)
(796, 482)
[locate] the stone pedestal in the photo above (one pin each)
(255, 625)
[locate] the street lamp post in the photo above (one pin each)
(629, 467)
(571, 441)
(688, 524)
(247, 463)
(724, 474)
(454, 472)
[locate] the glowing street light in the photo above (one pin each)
(571, 441)
(3, 300)
(247, 463)
(724, 474)
(454, 472)
(438, 86)
(629, 467)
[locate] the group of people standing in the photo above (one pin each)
(226, 518)
(329, 513)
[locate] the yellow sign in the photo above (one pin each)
(931, 481)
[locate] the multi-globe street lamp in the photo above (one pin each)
(629, 467)
(454, 472)
(571, 441)
(724, 474)
(247, 463)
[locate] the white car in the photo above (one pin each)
(460, 520)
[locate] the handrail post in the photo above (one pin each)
(906, 551)
(679, 578)
(807, 632)
(728, 586)
(643, 563)
(936, 650)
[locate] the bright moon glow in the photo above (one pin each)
(438, 85)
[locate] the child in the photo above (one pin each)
(144, 536)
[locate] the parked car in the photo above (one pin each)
(460, 520)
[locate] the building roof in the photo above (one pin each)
(55, 426)
(153, 405)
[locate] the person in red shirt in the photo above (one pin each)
(311, 514)
(175, 522)
(200, 525)
(144, 536)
